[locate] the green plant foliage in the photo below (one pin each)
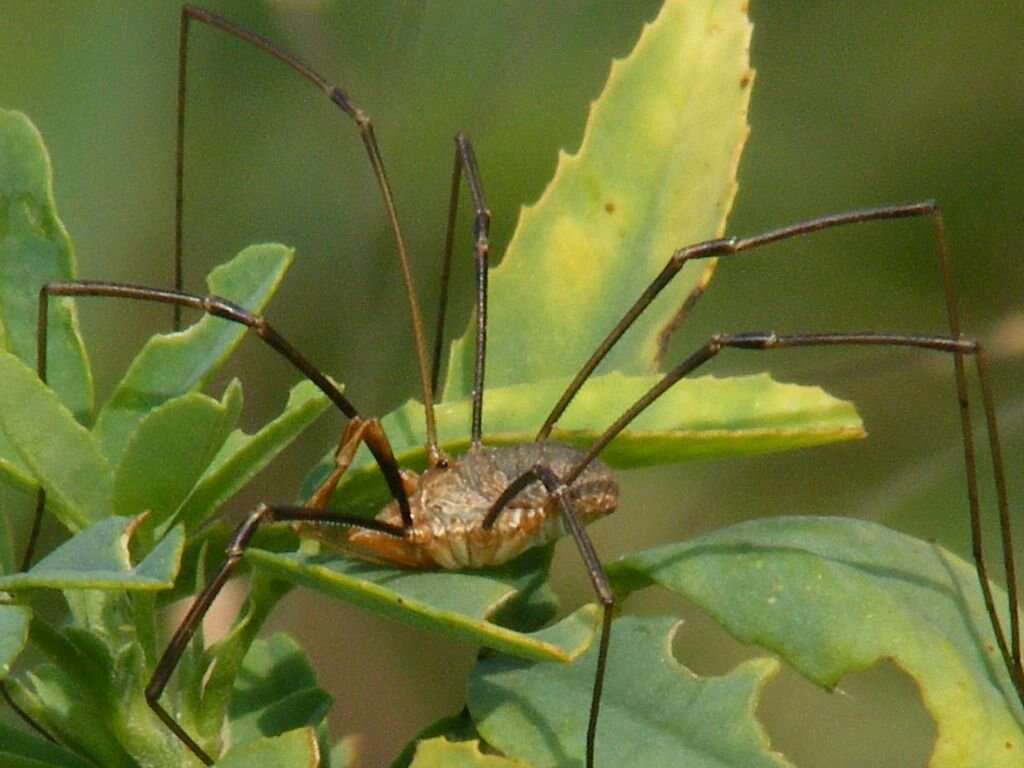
(835, 595)
(35, 249)
(174, 364)
(98, 558)
(653, 711)
(158, 447)
(704, 417)
(276, 692)
(462, 754)
(455, 603)
(656, 171)
(61, 454)
(242, 455)
(21, 750)
(296, 748)
(13, 635)
(171, 449)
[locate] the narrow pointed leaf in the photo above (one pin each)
(702, 417)
(97, 558)
(35, 249)
(654, 712)
(61, 454)
(454, 603)
(835, 595)
(656, 170)
(19, 749)
(223, 661)
(176, 363)
(243, 455)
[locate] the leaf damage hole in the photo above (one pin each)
(875, 717)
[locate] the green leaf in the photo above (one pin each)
(295, 749)
(19, 749)
(458, 727)
(835, 595)
(698, 418)
(35, 249)
(170, 450)
(173, 364)
(653, 710)
(276, 691)
(222, 662)
(441, 753)
(243, 456)
(655, 171)
(97, 558)
(6, 545)
(62, 455)
(14, 620)
(81, 717)
(454, 603)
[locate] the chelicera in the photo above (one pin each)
(491, 504)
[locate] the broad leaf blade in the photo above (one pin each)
(835, 595)
(35, 249)
(655, 171)
(702, 417)
(654, 712)
(174, 364)
(61, 454)
(97, 558)
(453, 603)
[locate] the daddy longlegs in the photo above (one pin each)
(489, 505)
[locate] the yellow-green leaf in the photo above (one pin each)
(656, 171)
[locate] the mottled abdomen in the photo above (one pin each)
(449, 507)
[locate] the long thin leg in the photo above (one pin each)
(236, 549)
(340, 99)
(218, 307)
(768, 341)
(731, 246)
(734, 246)
(465, 163)
(557, 489)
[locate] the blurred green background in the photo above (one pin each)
(853, 105)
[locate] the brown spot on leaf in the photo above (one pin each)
(745, 80)
(609, 207)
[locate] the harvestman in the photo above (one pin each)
(488, 506)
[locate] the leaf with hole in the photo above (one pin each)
(836, 595)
